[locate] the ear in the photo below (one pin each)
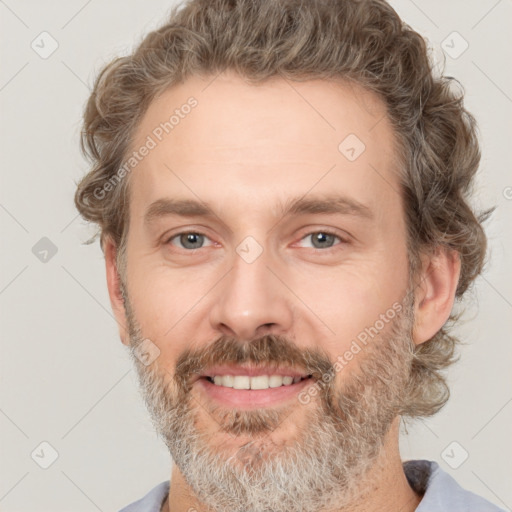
(435, 292)
(114, 289)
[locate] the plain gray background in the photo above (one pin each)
(66, 379)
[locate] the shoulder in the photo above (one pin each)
(441, 493)
(152, 501)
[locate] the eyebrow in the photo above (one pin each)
(325, 204)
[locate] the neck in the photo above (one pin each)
(385, 486)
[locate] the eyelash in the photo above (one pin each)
(323, 231)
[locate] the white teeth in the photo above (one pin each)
(228, 381)
(242, 382)
(258, 382)
(275, 381)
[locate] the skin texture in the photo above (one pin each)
(245, 150)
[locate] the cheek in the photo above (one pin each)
(164, 301)
(344, 302)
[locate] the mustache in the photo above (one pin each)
(273, 350)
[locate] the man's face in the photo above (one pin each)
(297, 262)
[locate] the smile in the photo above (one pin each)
(248, 387)
(257, 382)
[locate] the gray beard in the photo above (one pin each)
(323, 468)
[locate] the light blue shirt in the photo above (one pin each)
(441, 493)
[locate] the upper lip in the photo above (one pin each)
(251, 371)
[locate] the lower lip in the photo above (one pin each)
(252, 398)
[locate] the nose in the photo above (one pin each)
(251, 301)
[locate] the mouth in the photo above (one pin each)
(250, 387)
(255, 382)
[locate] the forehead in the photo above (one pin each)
(212, 136)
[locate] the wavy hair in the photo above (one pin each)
(361, 41)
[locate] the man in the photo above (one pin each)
(281, 190)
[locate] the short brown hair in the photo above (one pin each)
(363, 41)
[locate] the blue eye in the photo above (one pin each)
(189, 240)
(322, 239)
(193, 240)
